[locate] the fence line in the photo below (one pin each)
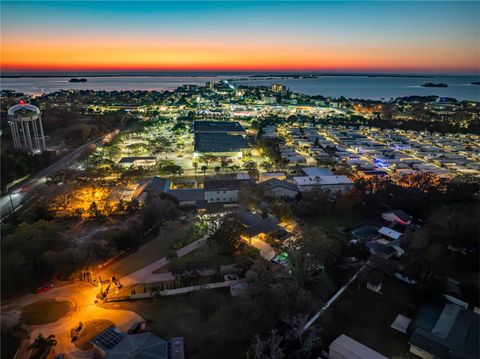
(167, 292)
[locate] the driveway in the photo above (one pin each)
(266, 250)
(82, 297)
(146, 275)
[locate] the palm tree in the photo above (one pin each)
(204, 169)
(250, 165)
(234, 168)
(267, 166)
(224, 162)
(195, 167)
(207, 159)
(43, 345)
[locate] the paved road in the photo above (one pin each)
(21, 193)
(146, 275)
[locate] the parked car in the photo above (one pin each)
(44, 288)
(75, 333)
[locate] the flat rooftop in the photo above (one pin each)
(217, 126)
(219, 142)
(322, 180)
(224, 184)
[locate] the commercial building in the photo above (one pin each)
(228, 127)
(220, 139)
(127, 162)
(220, 145)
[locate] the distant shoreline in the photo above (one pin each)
(252, 76)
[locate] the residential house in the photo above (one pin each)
(255, 230)
(113, 343)
(380, 249)
(452, 333)
(345, 347)
(155, 185)
(223, 190)
(333, 184)
(269, 175)
(188, 197)
(397, 216)
(280, 189)
(364, 233)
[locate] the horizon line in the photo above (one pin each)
(156, 72)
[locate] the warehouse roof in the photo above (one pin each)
(219, 142)
(217, 126)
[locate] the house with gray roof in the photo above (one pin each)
(453, 333)
(114, 344)
(280, 189)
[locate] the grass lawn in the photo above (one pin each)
(197, 259)
(220, 336)
(155, 249)
(366, 317)
(45, 311)
(332, 222)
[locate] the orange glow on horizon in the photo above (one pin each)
(147, 55)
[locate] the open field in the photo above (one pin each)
(196, 259)
(332, 222)
(203, 319)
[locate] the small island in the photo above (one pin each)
(475, 83)
(430, 84)
(77, 80)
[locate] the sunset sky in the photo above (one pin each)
(409, 37)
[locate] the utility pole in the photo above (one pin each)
(11, 203)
